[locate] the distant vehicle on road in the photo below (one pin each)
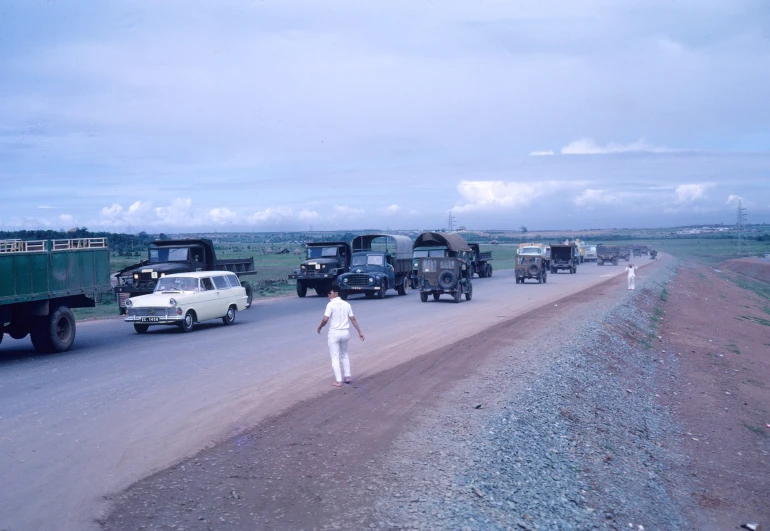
(376, 269)
(531, 266)
(436, 245)
(184, 299)
(480, 261)
(607, 253)
(42, 280)
(590, 253)
(564, 256)
(449, 275)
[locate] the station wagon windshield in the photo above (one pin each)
(369, 259)
(321, 252)
(177, 284)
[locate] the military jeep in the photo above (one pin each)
(444, 275)
(531, 266)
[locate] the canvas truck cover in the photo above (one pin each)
(402, 244)
(453, 242)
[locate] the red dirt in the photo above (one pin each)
(756, 268)
(721, 334)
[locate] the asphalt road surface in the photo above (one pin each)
(78, 427)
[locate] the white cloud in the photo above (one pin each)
(271, 214)
(687, 193)
(587, 146)
(348, 211)
(66, 218)
(222, 215)
(541, 153)
(112, 211)
(591, 197)
(391, 210)
(487, 195)
(307, 215)
(733, 200)
(46, 207)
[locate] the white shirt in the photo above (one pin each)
(630, 270)
(339, 313)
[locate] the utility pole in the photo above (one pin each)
(743, 243)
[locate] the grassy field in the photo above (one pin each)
(273, 269)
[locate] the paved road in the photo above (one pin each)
(80, 426)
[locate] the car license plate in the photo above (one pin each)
(149, 319)
(356, 287)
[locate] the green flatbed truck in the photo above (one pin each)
(41, 280)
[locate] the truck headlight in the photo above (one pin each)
(345, 280)
(129, 303)
(323, 266)
(371, 279)
(302, 268)
(172, 301)
(415, 265)
(136, 276)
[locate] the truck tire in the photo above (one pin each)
(344, 295)
(2, 326)
(436, 296)
(141, 328)
(321, 291)
(545, 277)
(469, 293)
(415, 283)
(540, 279)
(403, 288)
(447, 280)
(458, 294)
(423, 296)
(482, 272)
(55, 332)
(249, 293)
(380, 294)
(489, 270)
(301, 289)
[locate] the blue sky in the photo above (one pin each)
(174, 116)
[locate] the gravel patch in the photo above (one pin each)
(575, 443)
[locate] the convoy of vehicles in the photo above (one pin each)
(42, 280)
(166, 257)
(376, 269)
(564, 256)
(325, 262)
(184, 299)
(447, 275)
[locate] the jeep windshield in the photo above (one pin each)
(537, 251)
(368, 259)
(432, 266)
(424, 253)
(322, 252)
(169, 254)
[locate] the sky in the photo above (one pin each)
(282, 115)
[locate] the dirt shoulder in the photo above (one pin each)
(718, 325)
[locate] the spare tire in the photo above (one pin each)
(533, 269)
(447, 280)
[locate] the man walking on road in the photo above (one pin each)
(340, 314)
(631, 268)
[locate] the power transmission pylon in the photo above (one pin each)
(743, 243)
(451, 222)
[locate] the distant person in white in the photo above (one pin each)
(630, 268)
(340, 314)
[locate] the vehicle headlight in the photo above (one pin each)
(323, 266)
(136, 276)
(163, 274)
(172, 301)
(371, 279)
(302, 268)
(415, 265)
(345, 280)
(129, 303)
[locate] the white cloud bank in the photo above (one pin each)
(588, 146)
(488, 195)
(687, 193)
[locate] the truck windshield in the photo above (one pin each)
(169, 254)
(369, 259)
(423, 253)
(321, 252)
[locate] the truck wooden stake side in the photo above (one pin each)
(41, 280)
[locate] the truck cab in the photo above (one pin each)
(325, 262)
(380, 262)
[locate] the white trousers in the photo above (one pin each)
(338, 348)
(631, 282)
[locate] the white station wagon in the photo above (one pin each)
(184, 299)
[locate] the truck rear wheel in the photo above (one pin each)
(458, 294)
(489, 270)
(423, 296)
(436, 296)
(301, 289)
(482, 272)
(55, 332)
(403, 289)
(469, 293)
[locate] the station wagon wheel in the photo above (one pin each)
(229, 317)
(189, 321)
(141, 328)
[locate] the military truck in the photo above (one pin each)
(607, 253)
(624, 253)
(450, 275)
(564, 256)
(177, 256)
(536, 250)
(438, 244)
(590, 254)
(325, 262)
(42, 280)
(531, 266)
(379, 262)
(480, 261)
